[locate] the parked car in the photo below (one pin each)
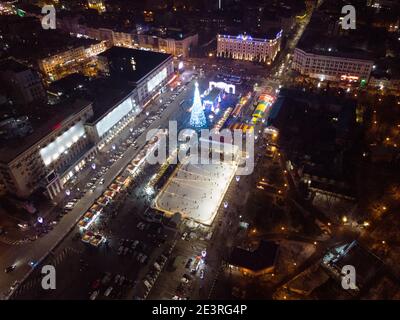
(108, 291)
(184, 280)
(106, 279)
(134, 244)
(120, 249)
(188, 263)
(116, 279)
(94, 295)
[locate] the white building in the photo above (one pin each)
(245, 47)
(23, 84)
(178, 44)
(35, 160)
(55, 65)
(331, 67)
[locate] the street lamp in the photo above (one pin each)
(67, 192)
(344, 219)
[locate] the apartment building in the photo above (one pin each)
(332, 66)
(22, 83)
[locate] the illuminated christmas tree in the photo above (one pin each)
(197, 117)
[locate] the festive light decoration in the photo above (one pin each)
(197, 117)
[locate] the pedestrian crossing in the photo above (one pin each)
(63, 255)
(34, 282)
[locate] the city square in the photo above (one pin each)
(196, 190)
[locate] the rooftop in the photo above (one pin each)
(261, 258)
(22, 33)
(132, 64)
(270, 34)
(324, 36)
(364, 261)
(69, 84)
(43, 121)
(106, 93)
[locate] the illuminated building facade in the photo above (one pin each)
(245, 47)
(175, 43)
(67, 61)
(98, 5)
(47, 151)
(7, 8)
(331, 67)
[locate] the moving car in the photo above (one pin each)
(10, 268)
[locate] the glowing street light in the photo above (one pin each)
(93, 166)
(237, 178)
(344, 219)
(225, 204)
(67, 192)
(40, 220)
